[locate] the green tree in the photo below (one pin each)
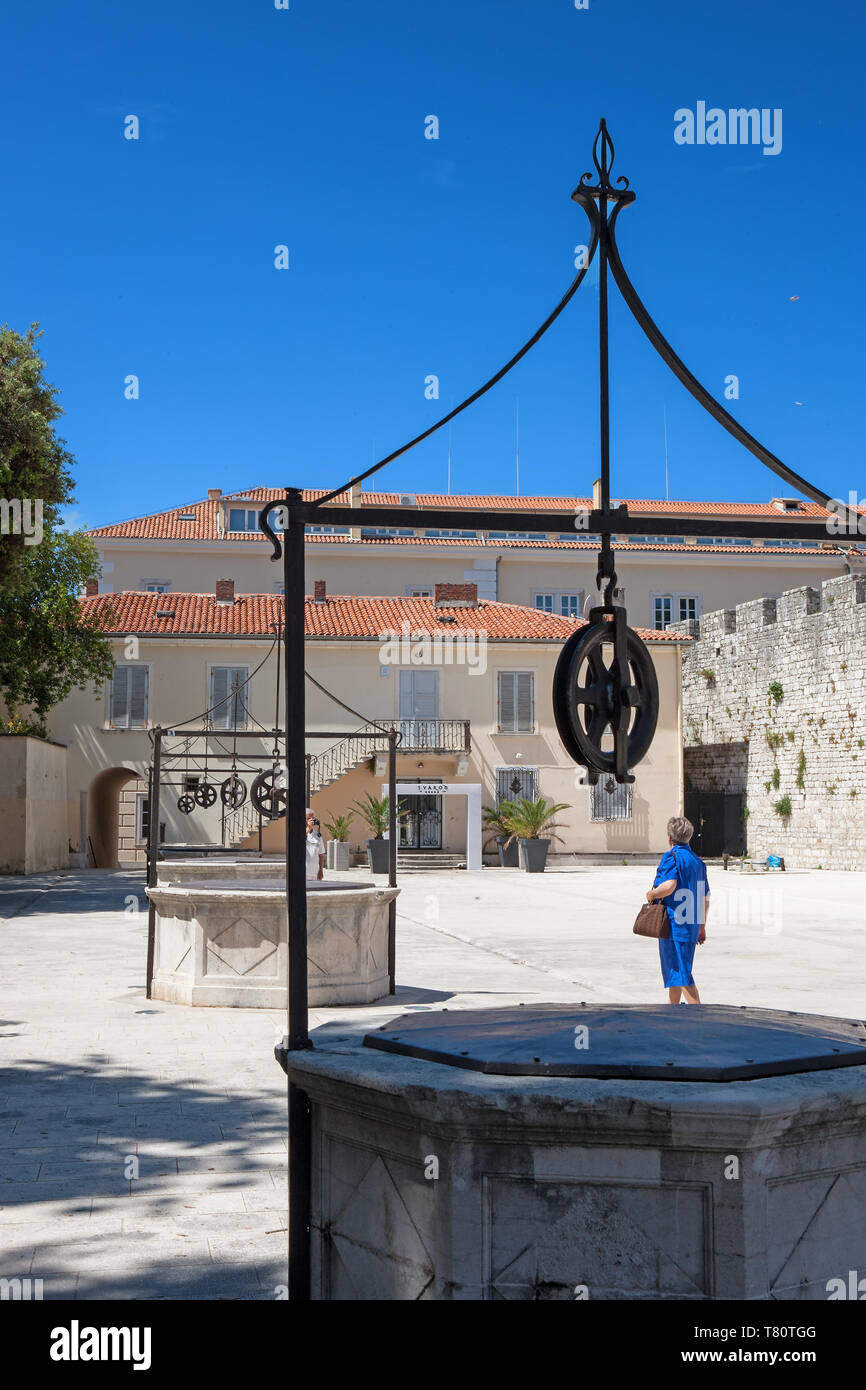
(47, 644)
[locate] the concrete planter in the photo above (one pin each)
(533, 855)
(377, 856)
(509, 854)
(223, 943)
(337, 855)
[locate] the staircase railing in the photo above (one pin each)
(420, 735)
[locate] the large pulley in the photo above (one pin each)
(233, 792)
(605, 684)
(268, 797)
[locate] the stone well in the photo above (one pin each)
(223, 942)
(485, 1175)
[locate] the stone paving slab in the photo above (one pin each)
(91, 1071)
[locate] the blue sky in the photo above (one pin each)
(411, 257)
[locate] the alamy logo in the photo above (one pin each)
(855, 1289)
(415, 647)
(846, 518)
(22, 1290)
(77, 1343)
(21, 516)
(736, 126)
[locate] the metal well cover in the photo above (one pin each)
(705, 1042)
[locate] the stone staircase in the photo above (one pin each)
(425, 859)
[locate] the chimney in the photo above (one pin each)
(214, 494)
(355, 495)
(455, 596)
(91, 588)
(320, 592)
(225, 591)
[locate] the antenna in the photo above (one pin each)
(665, 413)
(449, 458)
(517, 441)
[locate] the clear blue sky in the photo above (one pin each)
(410, 256)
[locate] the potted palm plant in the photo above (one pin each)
(533, 825)
(375, 813)
(337, 849)
(495, 818)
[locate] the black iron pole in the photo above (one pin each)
(296, 897)
(392, 859)
(152, 849)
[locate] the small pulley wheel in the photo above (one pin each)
(185, 803)
(268, 799)
(205, 794)
(233, 792)
(590, 698)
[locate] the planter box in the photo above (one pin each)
(533, 855)
(337, 855)
(509, 855)
(377, 856)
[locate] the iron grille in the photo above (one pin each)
(516, 783)
(610, 800)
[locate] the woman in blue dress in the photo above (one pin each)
(681, 883)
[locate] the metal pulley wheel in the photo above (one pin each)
(233, 792)
(593, 697)
(205, 794)
(268, 798)
(185, 803)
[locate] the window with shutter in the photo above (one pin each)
(138, 697)
(127, 703)
(119, 697)
(516, 701)
(227, 697)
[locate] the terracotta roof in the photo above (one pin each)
(252, 615)
(167, 525)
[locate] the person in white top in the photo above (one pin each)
(315, 848)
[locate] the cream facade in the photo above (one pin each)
(109, 765)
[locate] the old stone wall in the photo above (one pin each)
(774, 704)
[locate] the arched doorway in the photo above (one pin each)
(104, 828)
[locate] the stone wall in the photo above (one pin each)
(774, 705)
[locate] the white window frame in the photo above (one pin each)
(140, 799)
(557, 596)
(419, 590)
(156, 586)
(225, 711)
(497, 695)
(129, 728)
(674, 597)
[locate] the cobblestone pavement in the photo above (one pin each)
(143, 1144)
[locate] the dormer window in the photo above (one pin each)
(786, 504)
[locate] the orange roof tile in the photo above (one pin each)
(167, 525)
(253, 615)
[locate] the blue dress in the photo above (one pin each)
(684, 907)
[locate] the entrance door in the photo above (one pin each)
(419, 708)
(720, 826)
(421, 827)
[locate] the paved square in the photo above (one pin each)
(143, 1145)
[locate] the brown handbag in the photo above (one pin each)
(652, 920)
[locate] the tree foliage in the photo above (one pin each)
(47, 645)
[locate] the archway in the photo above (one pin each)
(103, 811)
